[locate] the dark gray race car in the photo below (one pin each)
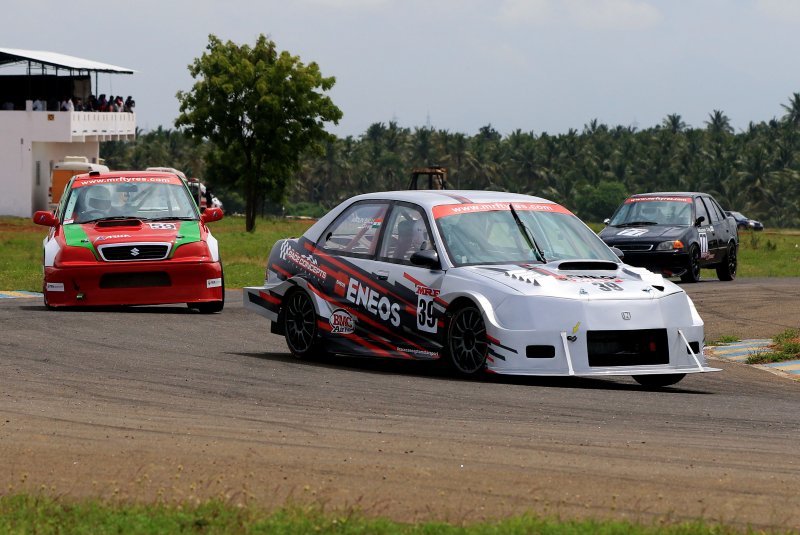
(675, 234)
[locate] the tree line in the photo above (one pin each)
(755, 171)
(253, 128)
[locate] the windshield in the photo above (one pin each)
(653, 211)
(492, 235)
(107, 198)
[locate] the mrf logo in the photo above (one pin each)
(342, 322)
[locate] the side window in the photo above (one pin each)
(718, 214)
(700, 211)
(355, 232)
(406, 233)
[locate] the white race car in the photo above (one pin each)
(495, 282)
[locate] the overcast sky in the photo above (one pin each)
(535, 65)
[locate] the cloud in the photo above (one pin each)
(613, 14)
(587, 14)
(526, 11)
(347, 4)
(780, 10)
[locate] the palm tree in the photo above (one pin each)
(674, 123)
(792, 110)
(718, 123)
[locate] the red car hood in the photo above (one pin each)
(93, 235)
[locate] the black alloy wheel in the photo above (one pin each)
(726, 271)
(466, 341)
(300, 324)
(693, 272)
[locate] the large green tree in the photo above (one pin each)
(261, 110)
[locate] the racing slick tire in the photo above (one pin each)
(300, 330)
(658, 381)
(466, 343)
(693, 269)
(726, 270)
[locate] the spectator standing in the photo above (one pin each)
(130, 104)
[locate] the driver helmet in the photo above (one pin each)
(419, 236)
(650, 211)
(98, 198)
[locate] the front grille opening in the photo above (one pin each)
(633, 247)
(133, 252)
(627, 348)
(147, 279)
(540, 352)
(695, 348)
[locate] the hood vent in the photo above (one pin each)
(588, 265)
(132, 222)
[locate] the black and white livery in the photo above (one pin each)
(487, 281)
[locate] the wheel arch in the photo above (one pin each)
(459, 300)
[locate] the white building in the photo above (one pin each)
(32, 141)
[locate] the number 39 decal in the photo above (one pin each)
(426, 318)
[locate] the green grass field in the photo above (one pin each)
(771, 253)
(23, 514)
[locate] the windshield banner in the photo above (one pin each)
(446, 210)
(651, 199)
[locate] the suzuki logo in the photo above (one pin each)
(134, 252)
(626, 315)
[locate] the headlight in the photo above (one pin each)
(72, 254)
(675, 245)
(197, 250)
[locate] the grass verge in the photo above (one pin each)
(44, 516)
(785, 346)
(770, 253)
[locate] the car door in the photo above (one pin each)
(725, 228)
(717, 241)
(705, 231)
(406, 232)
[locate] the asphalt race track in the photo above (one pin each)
(162, 403)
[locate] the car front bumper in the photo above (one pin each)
(140, 283)
(602, 338)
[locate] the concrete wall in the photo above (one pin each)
(28, 137)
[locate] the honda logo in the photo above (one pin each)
(626, 315)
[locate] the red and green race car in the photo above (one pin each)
(131, 238)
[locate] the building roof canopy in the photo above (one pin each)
(11, 56)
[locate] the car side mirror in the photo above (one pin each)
(699, 220)
(427, 258)
(618, 252)
(211, 214)
(606, 221)
(44, 218)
